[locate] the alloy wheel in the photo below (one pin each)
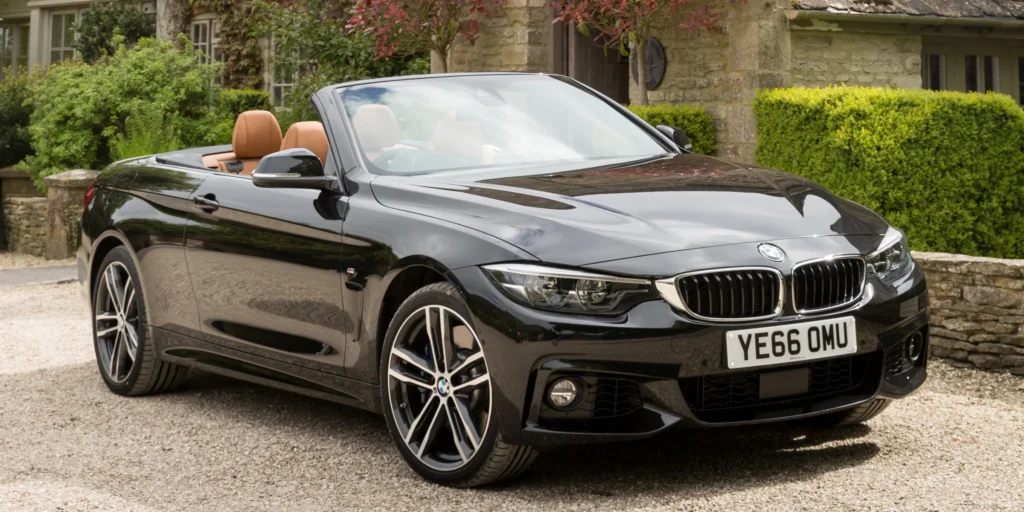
(116, 323)
(439, 389)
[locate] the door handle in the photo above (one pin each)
(207, 203)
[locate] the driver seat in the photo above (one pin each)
(377, 129)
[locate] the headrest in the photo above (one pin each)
(256, 135)
(376, 127)
(463, 138)
(309, 135)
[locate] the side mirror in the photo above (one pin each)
(678, 136)
(292, 168)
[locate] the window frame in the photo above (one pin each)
(66, 47)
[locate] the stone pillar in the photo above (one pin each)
(65, 199)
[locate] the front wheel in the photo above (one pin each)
(438, 396)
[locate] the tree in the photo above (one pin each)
(410, 26)
(101, 21)
(628, 23)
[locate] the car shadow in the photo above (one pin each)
(699, 462)
(672, 461)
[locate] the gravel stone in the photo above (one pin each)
(19, 260)
(68, 444)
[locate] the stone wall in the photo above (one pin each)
(723, 69)
(977, 310)
(517, 41)
(25, 224)
(871, 60)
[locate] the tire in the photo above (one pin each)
(459, 401)
(854, 416)
(115, 332)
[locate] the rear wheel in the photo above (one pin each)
(854, 416)
(124, 352)
(437, 394)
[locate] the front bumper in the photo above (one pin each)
(653, 368)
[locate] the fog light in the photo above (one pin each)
(564, 394)
(915, 346)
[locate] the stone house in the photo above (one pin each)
(36, 33)
(960, 45)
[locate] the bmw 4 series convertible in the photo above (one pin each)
(498, 263)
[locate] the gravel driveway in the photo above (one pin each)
(67, 444)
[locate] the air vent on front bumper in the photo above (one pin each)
(728, 295)
(822, 285)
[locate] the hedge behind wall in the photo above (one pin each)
(947, 168)
(693, 120)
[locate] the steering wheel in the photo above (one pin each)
(384, 159)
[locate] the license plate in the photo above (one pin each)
(791, 343)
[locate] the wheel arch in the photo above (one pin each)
(408, 275)
(101, 247)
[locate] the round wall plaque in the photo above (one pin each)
(654, 54)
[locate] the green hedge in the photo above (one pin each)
(948, 168)
(15, 142)
(217, 127)
(693, 120)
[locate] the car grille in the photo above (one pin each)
(616, 397)
(827, 284)
(896, 359)
(735, 294)
(739, 391)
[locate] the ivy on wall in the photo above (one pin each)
(243, 59)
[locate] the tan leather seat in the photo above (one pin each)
(463, 138)
(309, 135)
(376, 128)
(256, 135)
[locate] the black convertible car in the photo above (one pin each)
(499, 262)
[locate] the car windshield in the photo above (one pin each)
(468, 122)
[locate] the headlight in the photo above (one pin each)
(570, 291)
(893, 259)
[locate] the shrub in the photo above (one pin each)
(15, 143)
(146, 133)
(311, 41)
(693, 120)
(80, 108)
(946, 167)
(102, 21)
(216, 128)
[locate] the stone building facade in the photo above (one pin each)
(969, 45)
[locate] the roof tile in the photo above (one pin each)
(1005, 9)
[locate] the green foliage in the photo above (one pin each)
(310, 41)
(146, 133)
(102, 21)
(948, 168)
(242, 57)
(81, 108)
(693, 120)
(216, 128)
(14, 119)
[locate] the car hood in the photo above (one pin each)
(585, 216)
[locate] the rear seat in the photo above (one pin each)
(309, 135)
(256, 135)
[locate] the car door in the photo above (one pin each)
(266, 267)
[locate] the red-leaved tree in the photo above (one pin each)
(628, 23)
(410, 26)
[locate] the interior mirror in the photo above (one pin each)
(678, 136)
(292, 168)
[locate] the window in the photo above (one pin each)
(200, 35)
(1020, 79)
(62, 36)
(13, 48)
(981, 73)
(934, 72)
(282, 77)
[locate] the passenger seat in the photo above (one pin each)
(256, 135)
(309, 135)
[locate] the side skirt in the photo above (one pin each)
(185, 350)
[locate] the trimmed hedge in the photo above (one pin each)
(947, 168)
(693, 120)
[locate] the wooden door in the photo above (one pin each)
(576, 55)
